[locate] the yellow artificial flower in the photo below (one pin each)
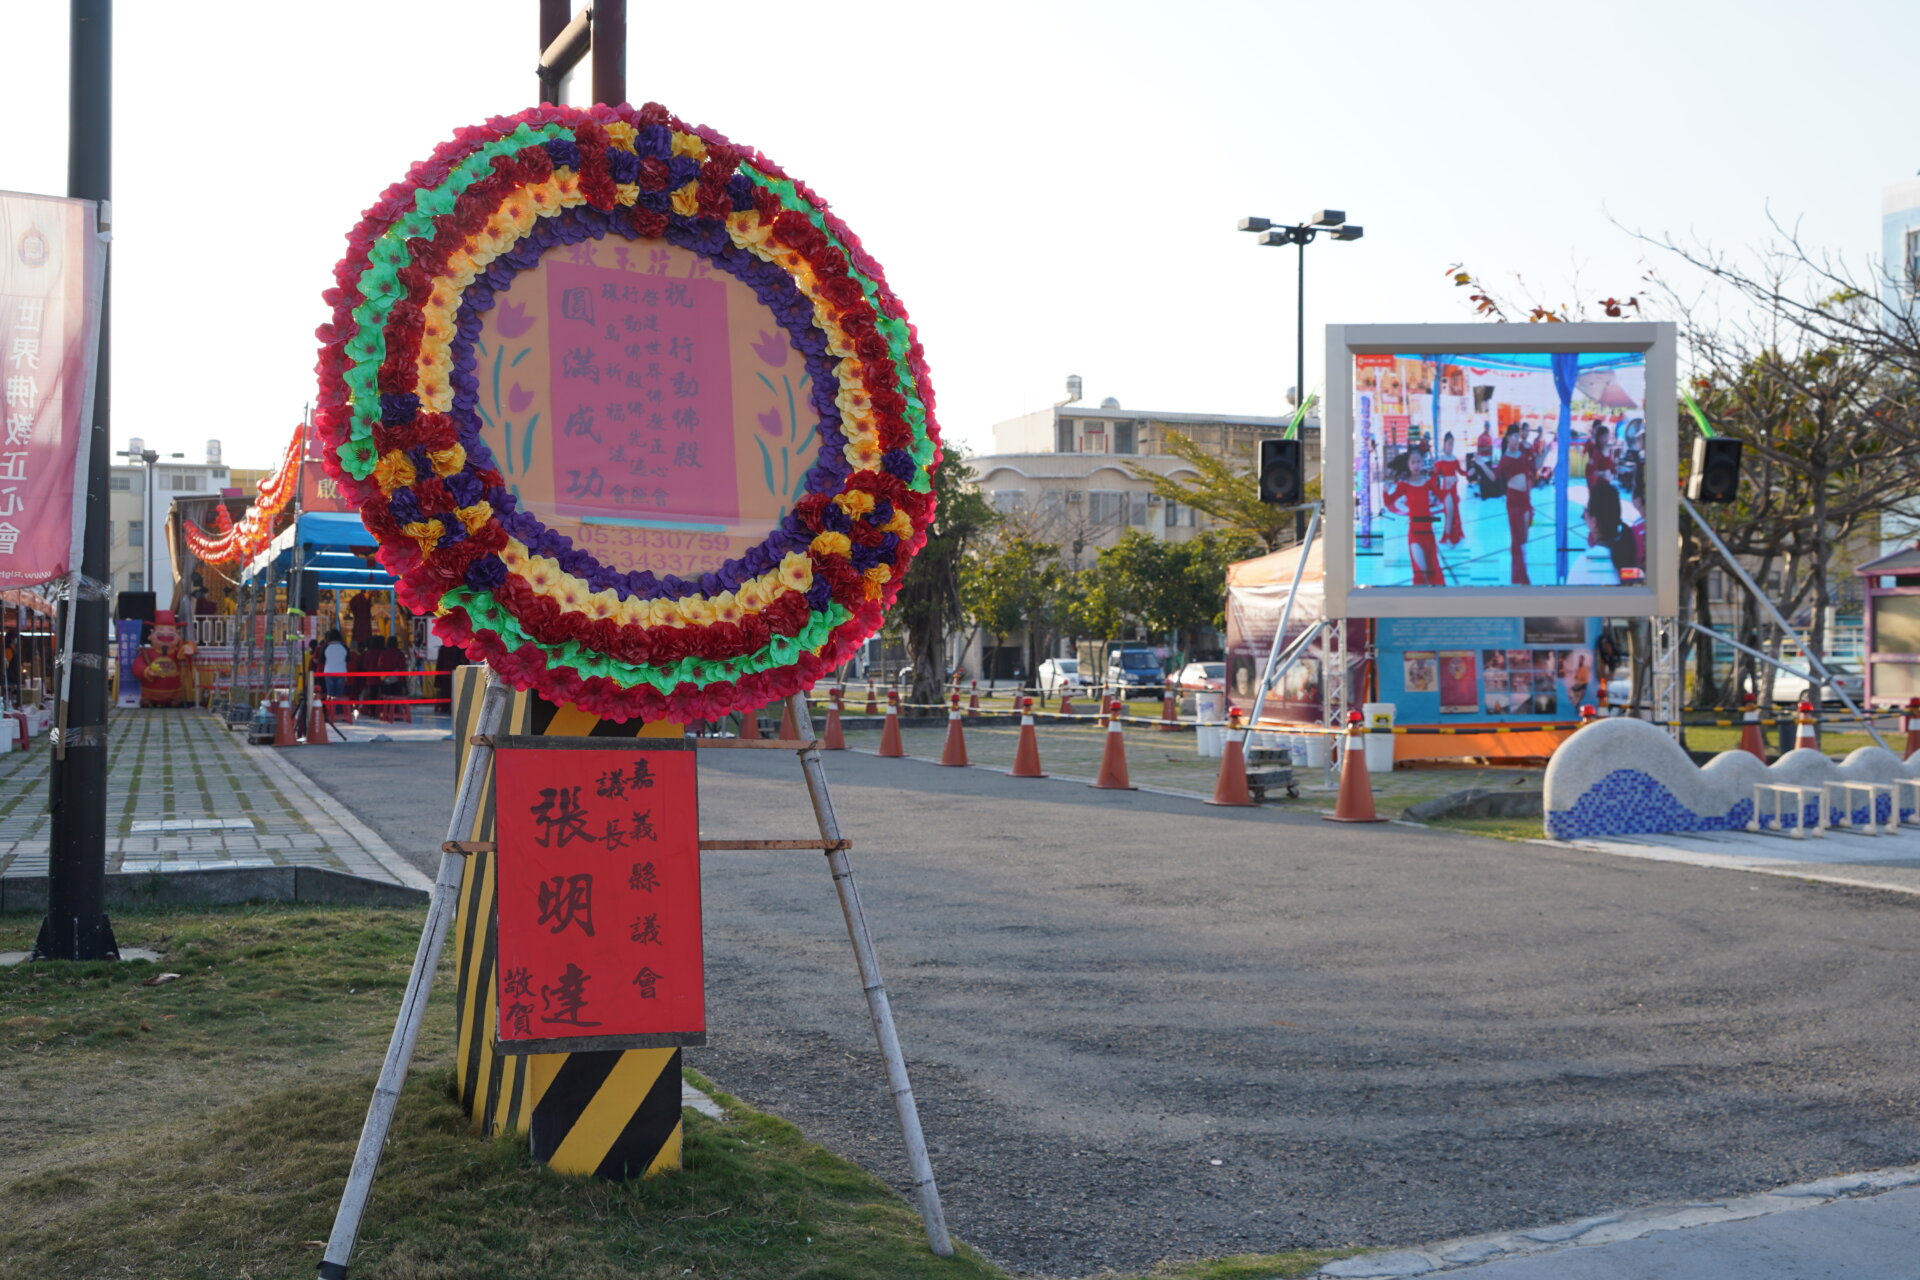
(393, 471)
(604, 604)
(476, 516)
(622, 134)
(726, 608)
(686, 201)
(754, 594)
(901, 525)
(567, 184)
(796, 570)
(626, 192)
(687, 144)
(854, 400)
(747, 230)
(514, 555)
(697, 612)
(855, 502)
(448, 461)
(832, 544)
(427, 533)
(863, 453)
(875, 577)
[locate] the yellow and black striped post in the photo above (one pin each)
(612, 1114)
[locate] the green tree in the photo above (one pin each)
(1016, 581)
(929, 604)
(1227, 491)
(1161, 589)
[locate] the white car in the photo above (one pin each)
(1789, 689)
(1057, 674)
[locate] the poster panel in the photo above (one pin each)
(1526, 473)
(1462, 671)
(50, 278)
(599, 895)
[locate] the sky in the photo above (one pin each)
(1051, 186)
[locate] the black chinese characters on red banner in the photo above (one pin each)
(599, 895)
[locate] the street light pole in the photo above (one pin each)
(76, 925)
(1335, 224)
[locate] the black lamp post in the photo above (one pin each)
(1335, 224)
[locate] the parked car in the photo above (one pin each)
(1789, 689)
(1061, 674)
(1200, 677)
(1134, 672)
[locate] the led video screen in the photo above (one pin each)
(1499, 469)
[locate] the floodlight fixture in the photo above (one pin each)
(1255, 224)
(1348, 232)
(1327, 218)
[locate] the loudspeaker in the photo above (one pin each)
(1280, 480)
(308, 593)
(1716, 470)
(135, 604)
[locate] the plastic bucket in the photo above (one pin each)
(1378, 717)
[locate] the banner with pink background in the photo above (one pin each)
(51, 273)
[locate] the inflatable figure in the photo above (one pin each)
(163, 664)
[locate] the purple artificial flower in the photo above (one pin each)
(486, 573)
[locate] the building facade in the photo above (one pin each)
(138, 556)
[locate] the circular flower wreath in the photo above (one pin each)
(398, 397)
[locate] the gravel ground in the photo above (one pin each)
(1141, 1028)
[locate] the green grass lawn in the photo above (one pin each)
(203, 1127)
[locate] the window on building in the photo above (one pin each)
(1716, 587)
(1106, 506)
(1173, 514)
(1136, 508)
(120, 483)
(1063, 435)
(136, 581)
(1913, 260)
(183, 481)
(1124, 434)
(136, 533)
(1008, 501)
(1053, 503)
(1093, 437)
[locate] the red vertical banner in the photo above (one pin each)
(51, 269)
(599, 895)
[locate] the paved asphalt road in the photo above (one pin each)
(1142, 1028)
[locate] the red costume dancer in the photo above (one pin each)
(1600, 462)
(1422, 498)
(1447, 473)
(1515, 477)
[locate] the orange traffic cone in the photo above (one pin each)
(1805, 736)
(283, 734)
(788, 730)
(1230, 788)
(1751, 740)
(1910, 721)
(954, 754)
(1169, 713)
(890, 745)
(873, 707)
(1356, 789)
(319, 732)
(1066, 703)
(1113, 760)
(973, 700)
(1026, 755)
(750, 724)
(836, 739)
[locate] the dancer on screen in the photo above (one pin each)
(1600, 460)
(1447, 473)
(1515, 476)
(1418, 498)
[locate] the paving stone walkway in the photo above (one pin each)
(184, 793)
